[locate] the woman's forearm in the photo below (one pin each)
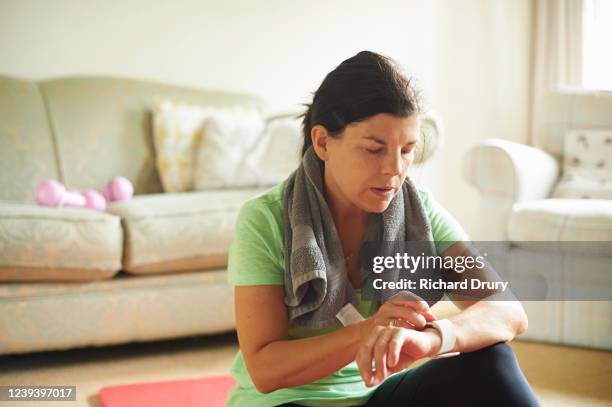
(295, 362)
(493, 319)
(487, 322)
(287, 363)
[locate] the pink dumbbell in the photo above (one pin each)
(54, 193)
(118, 189)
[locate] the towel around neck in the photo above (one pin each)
(316, 279)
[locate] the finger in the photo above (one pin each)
(420, 306)
(408, 298)
(364, 364)
(394, 348)
(364, 370)
(380, 351)
(415, 319)
(364, 355)
(429, 316)
(409, 315)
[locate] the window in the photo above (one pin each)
(596, 48)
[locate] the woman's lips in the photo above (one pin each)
(384, 192)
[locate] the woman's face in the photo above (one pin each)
(366, 166)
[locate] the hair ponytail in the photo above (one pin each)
(306, 127)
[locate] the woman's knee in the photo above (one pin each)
(499, 350)
(485, 361)
(496, 363)
(498, 354)
(493, 370)
(503, 377)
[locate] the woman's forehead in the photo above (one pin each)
(385, 128)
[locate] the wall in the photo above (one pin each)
(471, 57)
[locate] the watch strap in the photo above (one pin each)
(447, 333)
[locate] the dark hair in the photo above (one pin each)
(360, 87)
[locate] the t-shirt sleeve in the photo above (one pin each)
(445, 229)
(255, 254)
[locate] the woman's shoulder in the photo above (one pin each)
(256, 253)
(446, 229)
(267, 204)
(260, 219)
(271, 196)
(426, 197)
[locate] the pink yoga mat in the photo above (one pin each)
(207, 391)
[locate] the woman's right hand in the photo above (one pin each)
(411, 314)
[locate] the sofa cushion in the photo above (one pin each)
(237, 150)
(26, 144)
(561, 220)
(58, 244)
(229, 138)
(179, 231)
(587, 165)
(177, 131)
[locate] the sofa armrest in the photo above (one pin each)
(510, 171)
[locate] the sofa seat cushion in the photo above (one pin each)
(584, 220)
(125, 308)
(179, 231)
(40, 243)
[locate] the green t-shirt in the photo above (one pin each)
(256, 258)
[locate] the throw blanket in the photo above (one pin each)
(316, 280)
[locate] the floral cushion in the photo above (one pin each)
(587, 165)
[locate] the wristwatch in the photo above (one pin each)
(447, 333)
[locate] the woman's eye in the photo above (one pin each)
(379, 150)
(375, 151)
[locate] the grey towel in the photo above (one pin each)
(316, 280)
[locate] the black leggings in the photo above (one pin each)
(490, 376)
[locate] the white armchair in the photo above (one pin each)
(515, 182)
(505, 173)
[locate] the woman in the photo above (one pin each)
(295, 260)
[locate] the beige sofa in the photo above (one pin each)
(149, 268)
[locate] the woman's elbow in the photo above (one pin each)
(521, 322)
(513, 319)
(262, 386)
(262, 379)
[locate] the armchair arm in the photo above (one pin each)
(510, 171)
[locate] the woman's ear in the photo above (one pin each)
(320, 139)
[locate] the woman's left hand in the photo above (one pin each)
(393, 349)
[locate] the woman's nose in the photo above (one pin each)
(393, 164)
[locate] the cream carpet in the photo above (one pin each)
(561, 376)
